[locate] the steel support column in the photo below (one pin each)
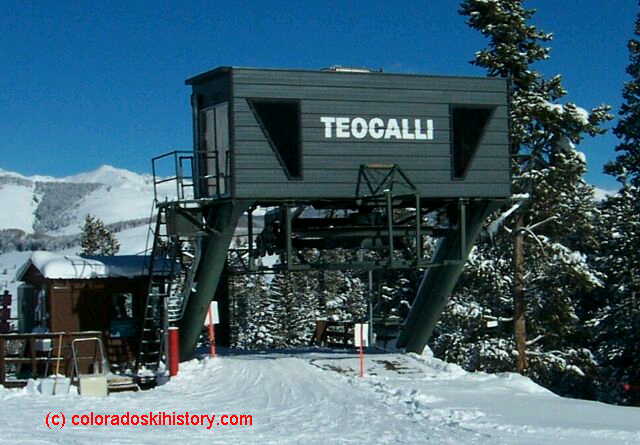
(438, 282)
(223, 218)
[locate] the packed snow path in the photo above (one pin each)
(317, 398)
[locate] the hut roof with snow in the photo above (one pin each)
(73, 267)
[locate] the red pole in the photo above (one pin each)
(361, 352)
(212, 335)
(174, 351)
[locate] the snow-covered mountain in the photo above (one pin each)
(48, 206)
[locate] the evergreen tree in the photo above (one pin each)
(246, 293)
(343, 294)
(304, 308)
(96, 239)
(264, 326)
(535, 267)
(626, 167)
(618, 321)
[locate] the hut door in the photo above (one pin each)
(214, 147)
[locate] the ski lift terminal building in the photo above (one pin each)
(291, 134)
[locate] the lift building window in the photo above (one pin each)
(280, 122)
(468, 125)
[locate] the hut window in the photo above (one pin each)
(468, 125)
(40, 311)
(280, 122)
(122, 305)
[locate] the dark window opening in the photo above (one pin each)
(468, 126)
(213, 152)
(280, 122)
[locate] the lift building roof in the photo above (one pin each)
(293, 134)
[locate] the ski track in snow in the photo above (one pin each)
(317, 398)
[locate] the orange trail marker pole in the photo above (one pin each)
(212, 335)
(174, 351)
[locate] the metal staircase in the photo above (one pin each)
(188, 258)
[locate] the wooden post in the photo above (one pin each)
(345, 334)
(58, 358)
(34, 362)
(520, 328)
(2, 362)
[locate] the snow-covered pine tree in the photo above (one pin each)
(343, 294)
(264, 327)
(96, 239)
(304, 308)
(245, 293)
(284, 310)
(618, 322)
(551, 275)
(626, 167)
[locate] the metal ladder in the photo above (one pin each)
(151, 348)
(174, 262)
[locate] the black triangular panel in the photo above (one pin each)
(280, 122)
(468, 127)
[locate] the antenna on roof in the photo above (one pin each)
(350, 69)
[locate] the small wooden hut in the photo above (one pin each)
(67, 297)
(92, 293)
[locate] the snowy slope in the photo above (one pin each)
(18, 198)
(111, 205)
(315, 397)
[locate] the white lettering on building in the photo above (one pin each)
(377, 128)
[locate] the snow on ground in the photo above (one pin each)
(316, 397)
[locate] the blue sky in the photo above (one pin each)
(90, 83)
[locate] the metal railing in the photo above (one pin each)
(182, 180)
(24, 356)
(212, 181)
